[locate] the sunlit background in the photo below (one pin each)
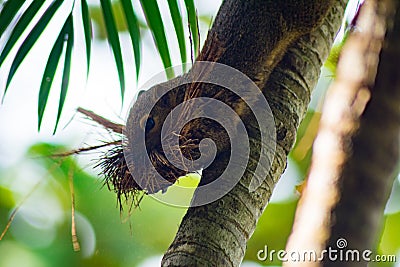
(35, 190)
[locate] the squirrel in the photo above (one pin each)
(251, 36)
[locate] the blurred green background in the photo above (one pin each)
(40, 233)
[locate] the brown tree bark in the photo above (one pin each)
(357, 149)
(281, 46)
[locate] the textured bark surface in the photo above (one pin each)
(252, 36)
(357, 149)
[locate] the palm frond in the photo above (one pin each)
(154, 20)
(16, 16)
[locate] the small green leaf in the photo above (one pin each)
(194, 25)
(390, 242)
(31, 39)
(333, 58)
(87, 31)
(8, 12)
(180, 34)
(153, 18)
(69, 30)
(114, 42)
(49, 72)
(20, 27)
(134, 31)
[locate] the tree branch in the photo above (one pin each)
(216, 234)
(357, 149)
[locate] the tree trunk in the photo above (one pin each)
(357, 149)
(281, 46)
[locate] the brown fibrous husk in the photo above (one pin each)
(115, 171)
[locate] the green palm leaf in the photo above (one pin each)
(178, 24)
(153, 18)
(8, 12)
(20, 27)
(64, 43)
(114, 42)
(134, 31)
(69, 34)
(193, 24)
(31, 40)
(87, 31)
(49, 73)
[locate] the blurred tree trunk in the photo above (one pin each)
(281, 46)
(356, 152)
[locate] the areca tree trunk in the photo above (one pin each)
(281, 46)
(360, 124)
